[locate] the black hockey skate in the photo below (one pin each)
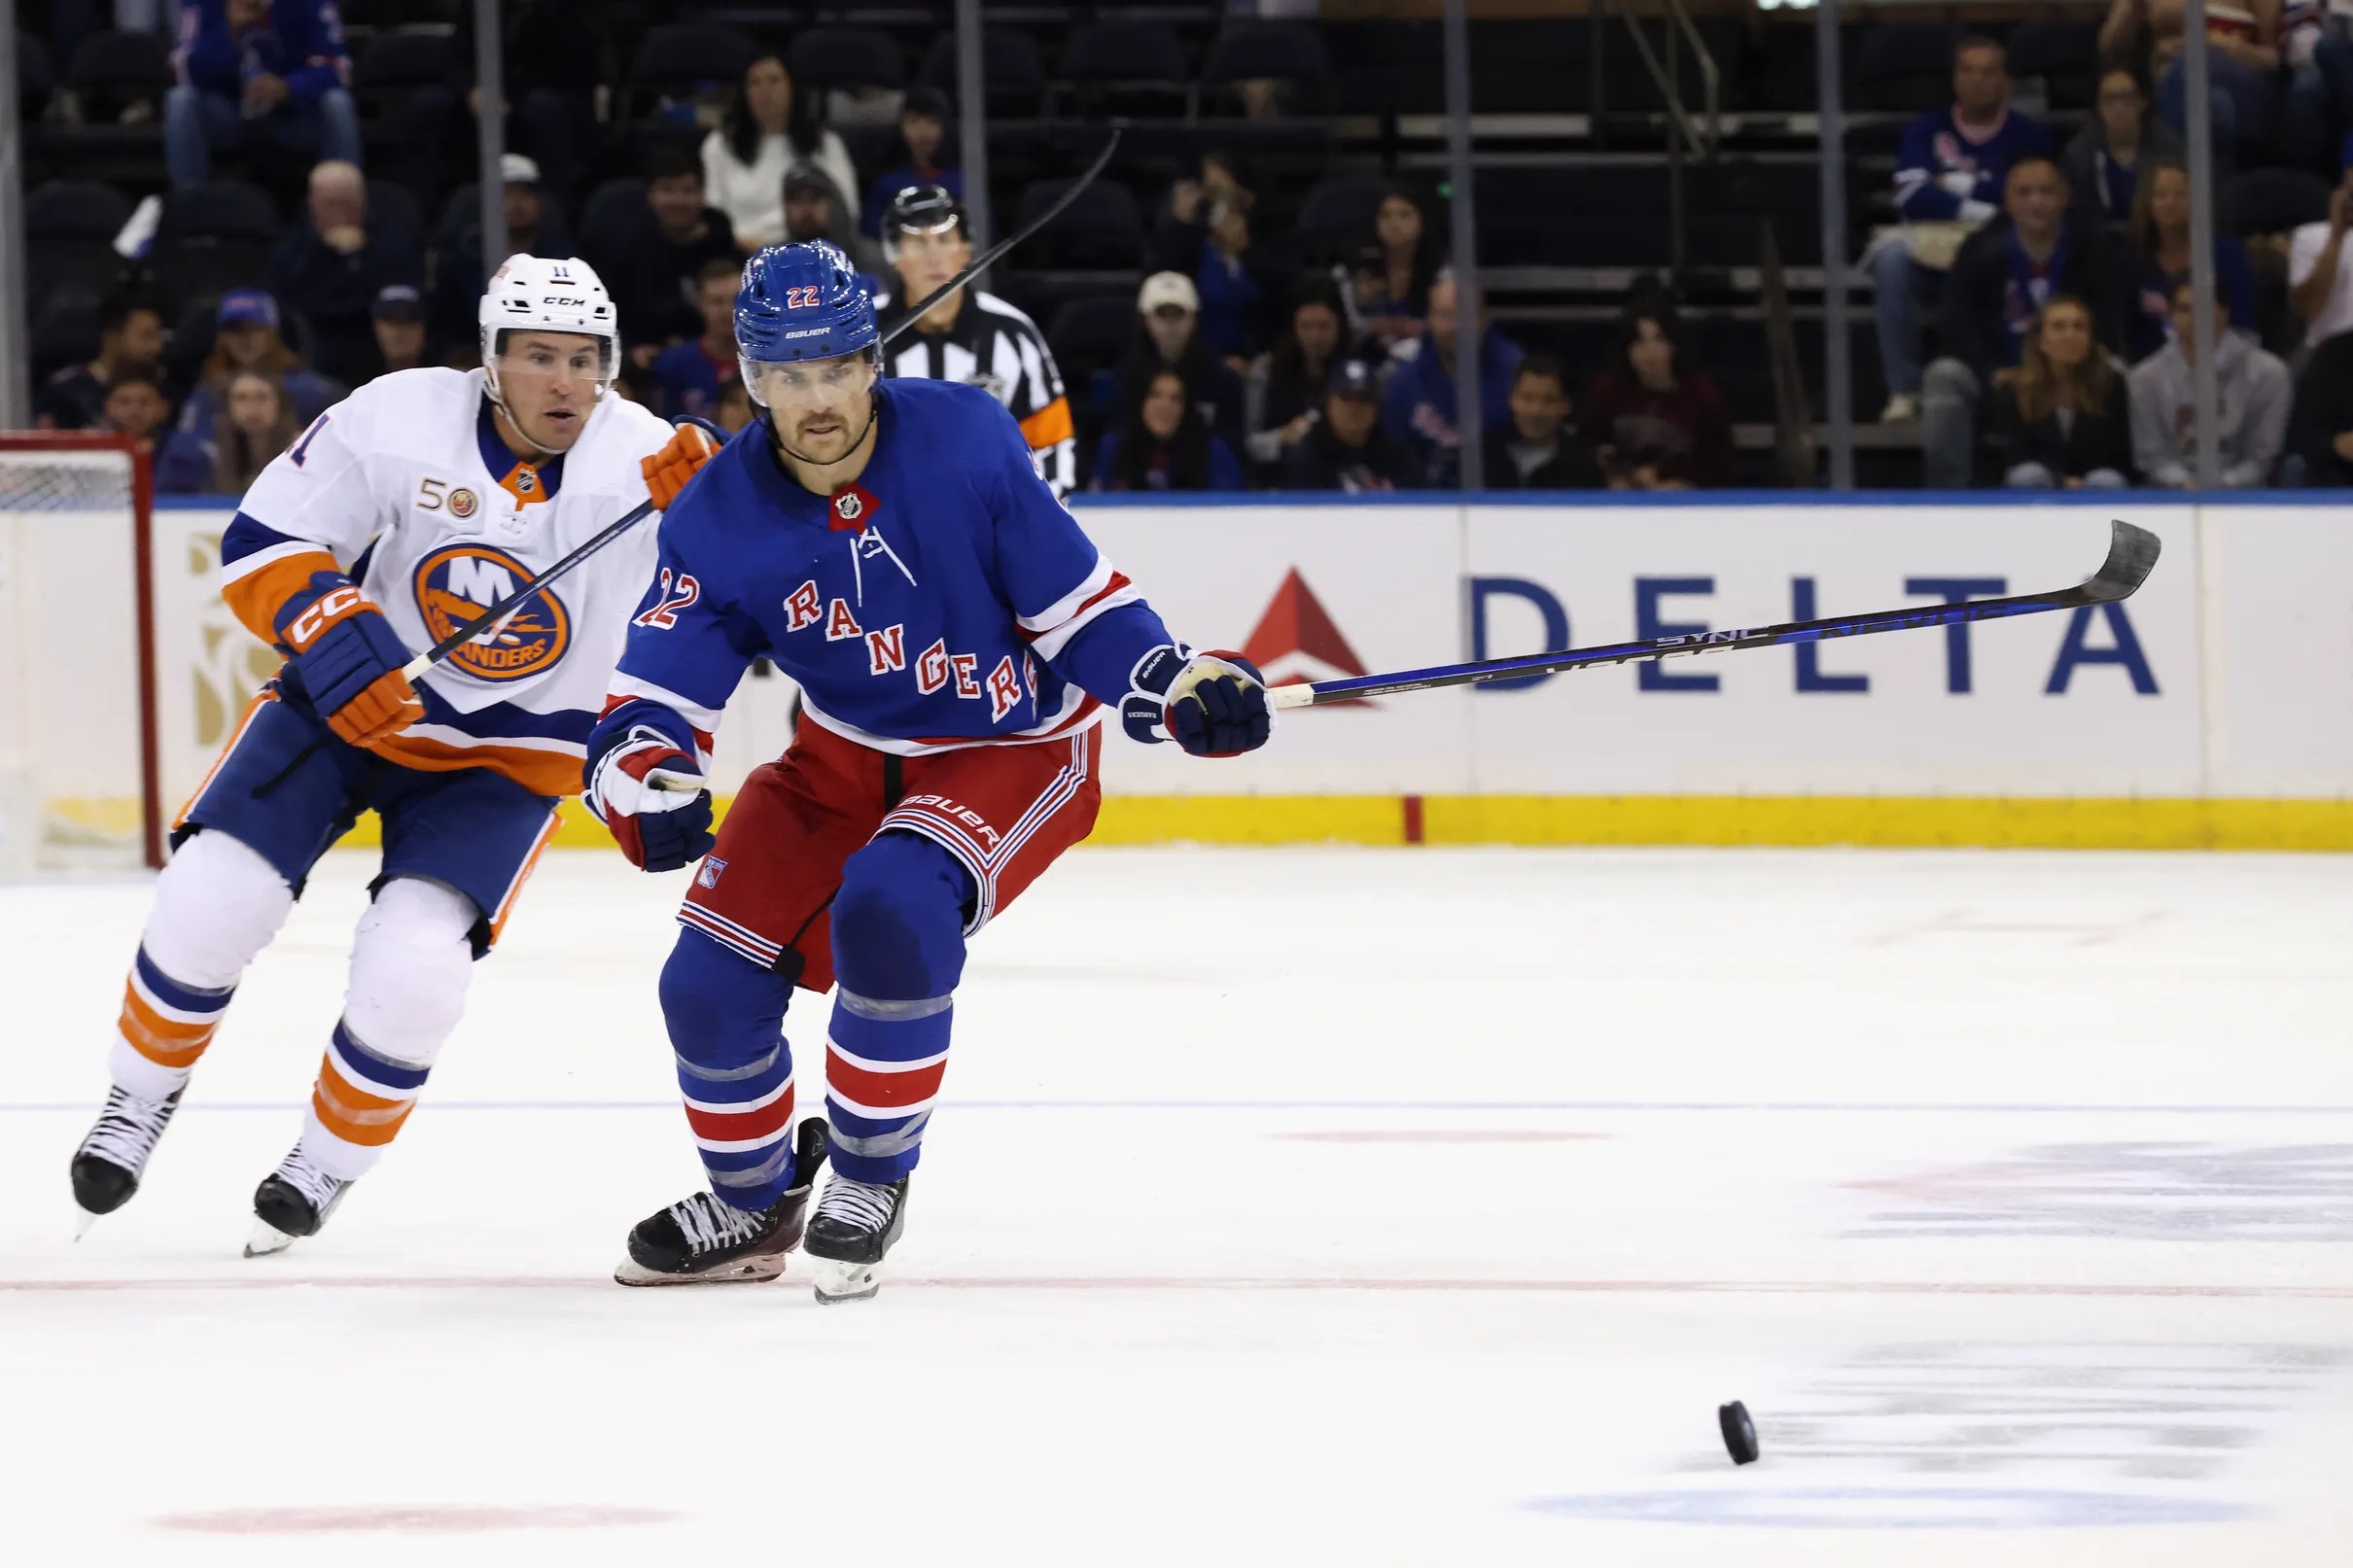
(113, 1155)
(706, 1240)
(292, 1202)
(855, 1226)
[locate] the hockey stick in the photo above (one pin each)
(2132, 553)
(522, 596)
(987, 257)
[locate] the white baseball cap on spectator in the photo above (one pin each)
(1164, 290)
(516, 169)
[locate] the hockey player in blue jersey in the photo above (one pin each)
(892, 547)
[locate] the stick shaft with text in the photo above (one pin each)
(2132, 554)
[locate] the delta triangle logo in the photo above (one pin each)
(1297, 639)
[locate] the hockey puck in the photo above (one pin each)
(1740, 1432)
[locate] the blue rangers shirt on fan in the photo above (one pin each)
(1945, 169)
(945, 600)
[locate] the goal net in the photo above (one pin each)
(79, 777)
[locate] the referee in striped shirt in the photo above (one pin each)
(972, 336)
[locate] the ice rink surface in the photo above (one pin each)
(1333, 1207)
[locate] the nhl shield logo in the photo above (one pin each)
(852, 505)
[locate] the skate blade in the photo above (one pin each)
(266, 1238)
(837, 1282)
(740, 1272)
(83, 1219)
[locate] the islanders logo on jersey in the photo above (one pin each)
(456, 584)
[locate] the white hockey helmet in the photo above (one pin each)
(551, 296)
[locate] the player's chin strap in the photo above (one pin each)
(541, 456)
(498, 399)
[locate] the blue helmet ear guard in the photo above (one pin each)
(801, 301)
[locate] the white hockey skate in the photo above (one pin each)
(855, 1224)
(292, 1202)
(112, 1154)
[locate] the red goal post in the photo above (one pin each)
(80, 756)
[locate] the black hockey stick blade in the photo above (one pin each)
(989, 258)
(2133, 553)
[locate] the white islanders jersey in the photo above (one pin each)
(394, 487)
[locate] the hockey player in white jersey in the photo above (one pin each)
(399, 514)
(972, 336)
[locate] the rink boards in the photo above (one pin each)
(2214, 708)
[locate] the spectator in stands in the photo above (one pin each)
(2160, 242)
(245, 338)
(255, 425)
(535, 227)
(1283, 393)
(2001, 277)
(2317, 37)
(1347, 449)
(1168, 337)
(1162, 444)
(1948, 172)
(1418, 409)
(688, 377)
(2320, 439)
(1231, 290)
(2104, 161)
(1656, 420)
(2243, 64)
(131, 331)
(650, 265)
(2320, 272)
(331, 266)
(1182, 228)
(136, 406)
(1389, 290)
(915, 159)
(814, 209)
(1538, 450)
(770, 131)
(2252, 392)
(2062, 420)
(733, 409)
(397, 321)
(268, 70)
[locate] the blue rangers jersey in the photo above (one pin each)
(945, 600)
(1946, 171)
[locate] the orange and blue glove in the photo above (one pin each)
(348, 659)
(695, 442)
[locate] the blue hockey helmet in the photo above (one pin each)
(801, 301)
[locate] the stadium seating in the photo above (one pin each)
(1011, 67)
(846, 57)
(213, 237)
(69, 232)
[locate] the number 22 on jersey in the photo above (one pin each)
(675, 595)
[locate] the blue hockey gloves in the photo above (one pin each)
(659, 829)
(348, 658)
(1212, 704)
